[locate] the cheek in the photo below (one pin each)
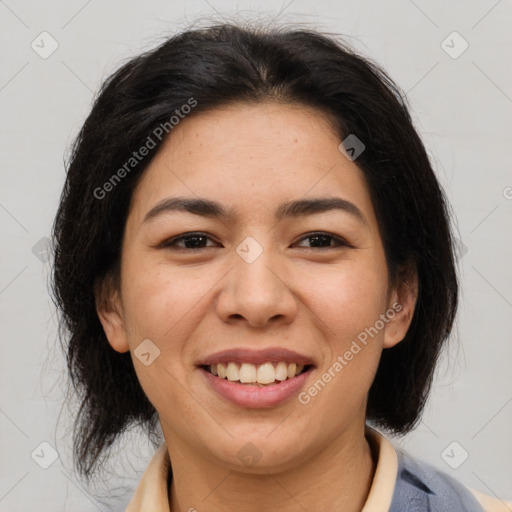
(165, 303)
(162, 304)
(349, 303)
(155, 299)
(152, 303)
(347, 298)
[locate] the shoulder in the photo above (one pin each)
(422, 487)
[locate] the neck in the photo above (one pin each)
(336, 478)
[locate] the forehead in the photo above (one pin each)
(252, 158)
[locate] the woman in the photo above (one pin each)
(253, 252)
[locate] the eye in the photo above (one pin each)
(198, 241)
(321, 240)
(190, 241)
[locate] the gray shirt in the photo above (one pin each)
(421, 487)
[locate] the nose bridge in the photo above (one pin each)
(255, 289)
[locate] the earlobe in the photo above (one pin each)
(110, 313)
(400, 311)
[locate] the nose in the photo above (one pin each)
(256, 293)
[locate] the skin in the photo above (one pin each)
(252, 158)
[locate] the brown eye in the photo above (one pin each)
(322, 240)
(190, 241)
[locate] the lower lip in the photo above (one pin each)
(245, 395)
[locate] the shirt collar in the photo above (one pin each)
(384, 481)
(152, 492)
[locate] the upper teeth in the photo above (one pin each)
(250, 373)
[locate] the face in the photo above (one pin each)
(286, 267)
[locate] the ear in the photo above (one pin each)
(110, 313)
(401, 305)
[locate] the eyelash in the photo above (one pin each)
(169, 244)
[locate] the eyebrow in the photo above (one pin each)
(298, 208)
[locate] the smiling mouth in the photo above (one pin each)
(267, 374)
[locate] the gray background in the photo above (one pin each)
(461, 106)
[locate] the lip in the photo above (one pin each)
(253, 397)
(256, 357)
